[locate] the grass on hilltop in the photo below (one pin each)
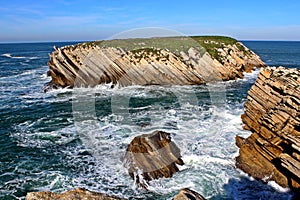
(173, 44)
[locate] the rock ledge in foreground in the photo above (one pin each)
(70, 195)
(187, 194)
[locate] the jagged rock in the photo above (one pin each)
(77, 194)
(187, 194)
(90, 64)
(152, 156)
(272, 114)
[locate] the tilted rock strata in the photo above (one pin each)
(272, 113)
(83, 194)
(187, 194)
(152, 156)
(90, 65)
(70, 195)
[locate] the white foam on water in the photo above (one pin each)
(277, 187)
(45, 77)
(195, 160)
(205, 134)
(33, 58)
(8, 55)
(251, 75)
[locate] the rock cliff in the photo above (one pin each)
(174, 60)
(272, 114)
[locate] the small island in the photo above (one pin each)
(152, 61)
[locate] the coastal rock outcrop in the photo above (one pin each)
(188, 194)
(152, 156)
(70, 195)
(171, 61)
(272, 114)
(83, 194)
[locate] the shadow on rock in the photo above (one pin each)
(246, 189)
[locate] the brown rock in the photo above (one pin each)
(187, 194)
(90, 64)
(152, 156)
(77, 194)
(272, 113)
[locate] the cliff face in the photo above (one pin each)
(174, 61)
(272, 113)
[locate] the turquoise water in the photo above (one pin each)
(67, 138)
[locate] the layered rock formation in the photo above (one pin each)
(272, 113)
(83, 194)
(152, 156)
(187, 194)
(77, 194)
(153, 61)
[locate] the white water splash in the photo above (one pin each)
(8, 55)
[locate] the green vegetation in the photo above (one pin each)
(173, 44)
(292, 75)
(211, 44)
(147, 51)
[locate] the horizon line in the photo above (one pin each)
(81, 41)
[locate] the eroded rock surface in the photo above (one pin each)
(90, 64)
(187, 194)
(272, 114)
(152, 156)
(78, 194)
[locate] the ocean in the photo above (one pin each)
(69, 138)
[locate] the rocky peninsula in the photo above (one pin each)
(164, 61)
(272, 114)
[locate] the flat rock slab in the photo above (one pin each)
(152, 156)
(76, 194)
(187, 194)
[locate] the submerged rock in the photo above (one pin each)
(195, 60)
(77, 194)
(272, 114)
(187, 194)
(152, 156)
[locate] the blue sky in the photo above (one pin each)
(62, 20)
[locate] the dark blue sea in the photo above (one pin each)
(66, 138)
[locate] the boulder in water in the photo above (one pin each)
(152, 156)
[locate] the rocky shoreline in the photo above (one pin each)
(272, 114)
